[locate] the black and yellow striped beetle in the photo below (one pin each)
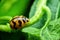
(18, 22)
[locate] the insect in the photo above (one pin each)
(18, 22)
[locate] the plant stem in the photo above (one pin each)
(6, 18)
(39, 13)
(48, 18)
(5, 28)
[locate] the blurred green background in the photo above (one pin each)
(14, 7)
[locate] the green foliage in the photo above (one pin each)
(50, 32)
(44, 21)
(13, 7)
(53, 5)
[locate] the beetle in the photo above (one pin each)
(18, 22)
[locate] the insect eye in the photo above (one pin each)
(27, 20)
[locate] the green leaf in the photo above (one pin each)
(33, 33)
(55, 26)
(53, 5)
(52, 32)
(31, 30)
(59, 10)
(49, 35)
(46, 34)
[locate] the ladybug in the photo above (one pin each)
(18, 22)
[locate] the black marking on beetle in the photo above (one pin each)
(14, 25)
(24, 21)
(20, 23)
